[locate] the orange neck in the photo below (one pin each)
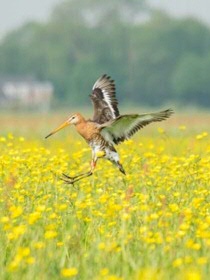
(81, 120)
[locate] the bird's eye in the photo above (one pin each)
(73, 118)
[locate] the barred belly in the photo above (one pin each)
(104, 149)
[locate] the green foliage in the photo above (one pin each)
(191, 79)
(154, 62)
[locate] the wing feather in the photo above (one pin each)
(125, 126)
(104, 100)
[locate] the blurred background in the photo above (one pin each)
(52, 51)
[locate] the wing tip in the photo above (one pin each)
(162, 115)
(103, 78)
(169, 112)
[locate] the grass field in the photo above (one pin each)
(153, 223)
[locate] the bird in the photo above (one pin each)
(107, 127)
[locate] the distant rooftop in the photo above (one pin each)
(25, 92)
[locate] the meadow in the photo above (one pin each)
(153, 223)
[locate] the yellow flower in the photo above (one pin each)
(202, 260)
(30, 260)
(50, 234)
(16, 211)
(167, 213)
(24, 251)
(3, 139)
(15, 263)
(33, 217)
(62, 207)
(100, 154)
(101, 246)
(59, 244)
(4, 220)
(174, 207)
(53, 216)
(113, 277)
(69, 272)
(39, 245)
(104, 271)
(201, 136)
(10, 136)
(178, 262)
(191, 275)
(17, 232)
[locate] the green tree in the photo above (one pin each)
(191, 80)
(157, 47)
(84, 39)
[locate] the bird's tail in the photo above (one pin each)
(119, 165)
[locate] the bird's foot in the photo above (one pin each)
(67, 176)
(69, 182)
(67, 179)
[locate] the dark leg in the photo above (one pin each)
(72, 180)
(74, 177)
(82, 176)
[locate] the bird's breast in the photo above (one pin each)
(87, 130)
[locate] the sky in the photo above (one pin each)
(14, 13)
(182, 8)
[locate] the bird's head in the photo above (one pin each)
(72, 119)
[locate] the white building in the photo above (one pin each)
(25, 92)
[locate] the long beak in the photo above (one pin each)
(57, 129)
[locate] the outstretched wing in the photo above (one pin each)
(104, 100)
(122, 128)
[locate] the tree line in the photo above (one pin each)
(155, 61)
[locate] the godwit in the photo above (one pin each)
(107, 126)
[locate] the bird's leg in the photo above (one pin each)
(72, 180)
(73, 177)
(82, 174)
(77, 178)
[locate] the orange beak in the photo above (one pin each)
(66, 123)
